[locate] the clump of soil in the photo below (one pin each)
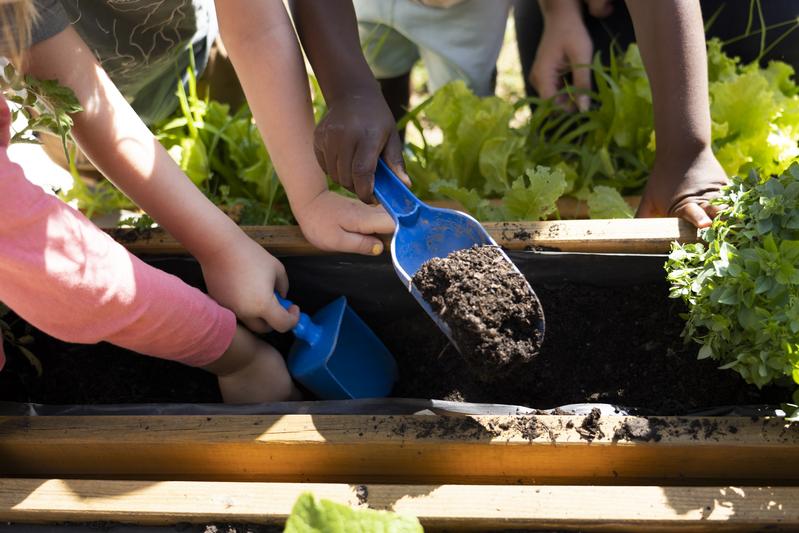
(590, 428)
(489, 307)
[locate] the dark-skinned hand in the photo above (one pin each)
(356, 130)
(685, 190)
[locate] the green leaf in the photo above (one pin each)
(606, 202)
(742, 288)
(470, 199)
(534, 197)
(323, 516)
(494, 162)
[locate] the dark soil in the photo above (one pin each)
(589, 429)
(489, 307)
(612, 344)
(617, 345)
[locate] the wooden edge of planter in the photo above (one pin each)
(568, 207)
(417, 449)
(653, 235)
(481, 507)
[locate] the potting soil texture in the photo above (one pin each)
(489, 307)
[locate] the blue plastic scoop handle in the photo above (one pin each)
(305, 328)
(423, 233)
(337, 356)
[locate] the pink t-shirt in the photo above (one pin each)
(65, 276)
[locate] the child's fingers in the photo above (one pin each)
(281, 281)
(345, 152)
(277, 317)
(256, 325)
(364, 163)
(374, 219)
(695, 214)
(544, 78)
(392, 154)
(358, 243)
(581, 77)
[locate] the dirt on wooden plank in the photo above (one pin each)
(489, 307)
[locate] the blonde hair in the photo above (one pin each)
(16, 19)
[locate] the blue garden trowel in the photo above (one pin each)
(423, 233)
(337, 357)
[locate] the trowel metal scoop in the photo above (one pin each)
(423, 233)
(337, 357)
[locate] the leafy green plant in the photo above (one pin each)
(607, 202)
(310, 515)
(223, 154)
(481, 157)
(46, 107)
(755, 114)
(45, 104)
(741, 284)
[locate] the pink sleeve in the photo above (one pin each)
(68, 278)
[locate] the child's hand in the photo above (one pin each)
(332, 222)
(243, 278)
(357, 129)
(565, 47)
(685, 190)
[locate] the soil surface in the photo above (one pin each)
(489, 307)
(616, 344)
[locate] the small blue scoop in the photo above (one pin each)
(423, 233)
(337, 357)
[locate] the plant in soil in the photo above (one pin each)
(741, 284)
(487, 304)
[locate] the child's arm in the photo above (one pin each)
(686, 174)
(240, 274)
(358, 126)
(266, 55)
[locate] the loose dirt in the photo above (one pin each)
(489, 307)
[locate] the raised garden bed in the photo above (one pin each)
(612, 337)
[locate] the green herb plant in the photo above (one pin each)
(741, 284)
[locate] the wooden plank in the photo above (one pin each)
(653, 235)
(568, 207)
(481, 507)
(404, 449)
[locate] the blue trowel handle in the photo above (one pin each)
(396, 198)
(305, 328)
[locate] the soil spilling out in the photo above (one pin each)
(488, 306)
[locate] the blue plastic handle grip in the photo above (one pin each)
(395, 197)
(305, 328)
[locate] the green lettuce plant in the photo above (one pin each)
(310, 515)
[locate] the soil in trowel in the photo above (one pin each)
(488, 306)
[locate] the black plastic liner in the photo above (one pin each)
(376, 294)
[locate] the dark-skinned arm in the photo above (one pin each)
(686, 174)
(358, 127)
